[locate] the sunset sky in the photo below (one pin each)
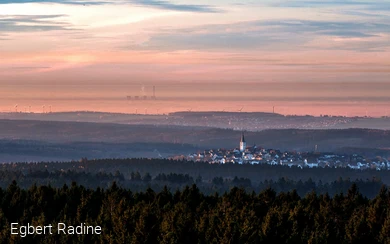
(135, 41)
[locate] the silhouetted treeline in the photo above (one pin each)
(189, 216)
(256, 173)
(138, 182)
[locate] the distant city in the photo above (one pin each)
(257, 155)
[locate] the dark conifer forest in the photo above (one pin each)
(165, 201)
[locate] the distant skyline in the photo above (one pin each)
(48, 43)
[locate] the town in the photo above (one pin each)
(257, 155)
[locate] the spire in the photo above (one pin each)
(242, 137)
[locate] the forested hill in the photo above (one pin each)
(188, 216)
(201, 137)
(168, 201)
(256, 173)
(139, 174)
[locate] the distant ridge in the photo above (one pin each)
(224, 113)
(249, 121)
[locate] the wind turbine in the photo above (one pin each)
(16, 108)
(240, 109)
(189, 110)
(43, 109)
(159, 155)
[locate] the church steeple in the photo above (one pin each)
(242, 137)
(242, 143)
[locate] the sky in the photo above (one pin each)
(108, 42)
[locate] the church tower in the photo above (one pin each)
(242, 143)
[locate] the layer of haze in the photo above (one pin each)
(303, 57)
